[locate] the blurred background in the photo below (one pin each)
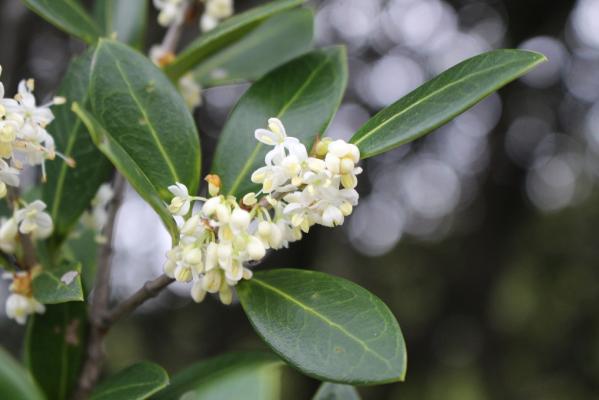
(481, 237)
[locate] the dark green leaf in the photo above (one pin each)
(304, 93)
(15, 382)
(442, 98)
(145, 115)
(59, 285)
(274, 42)
(55, 347)
(224, 34)
(127, 166)
(336, 391)
(136, 382)
(66, 205)
(125, 18)
(252, 376)
(67, 15)
(327, 327)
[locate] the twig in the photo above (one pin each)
(92, 366)
(149, 290)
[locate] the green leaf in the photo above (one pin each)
(143, 112)
(304, 93)
(274, 42)
(55, 348)
(59, 285)
(224, 34)
(67, 15)
(442, 98)
(327, 327)
(83, 247)
(66, 205)
(15, 382)
(336, 391)
(255, 375)
(125, 18)
(136, 382)
(127, 166)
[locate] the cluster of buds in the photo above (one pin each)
(220, 238)
(24, 140)
(21, 303)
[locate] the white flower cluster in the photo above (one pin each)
(172, 12)
(23, 134)
(24, 140)
(21, 303)
(222, 237)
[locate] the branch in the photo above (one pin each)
(92, 366)
(149, 290)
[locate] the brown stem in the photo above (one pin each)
(92, 365)
(149, 290)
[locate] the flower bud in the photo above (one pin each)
(322, 147)
(255, 249)
(210, 205)
(211, 282)
(240, 219)
(211, 256)
(223, 213)
(197, 292)
(193, 256)
(214, 184)
(226, 295)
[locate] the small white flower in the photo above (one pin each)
(181, 203)
(33, 220)
(19, 307)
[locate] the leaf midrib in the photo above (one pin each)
(434, 93)
(151, 128)
(250, 161)
(323, 318)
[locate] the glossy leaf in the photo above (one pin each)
(15, 381)
(274, 42)
(128, 167)
(336, 391)
(59, 285)
(143, 112)
(127, 19)
(67, 15)
(66, 205)
(442, 98)
(327, 327)
(224, 34)
(254, 375)
(136, 382)
(55, 347)
(304, 93)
